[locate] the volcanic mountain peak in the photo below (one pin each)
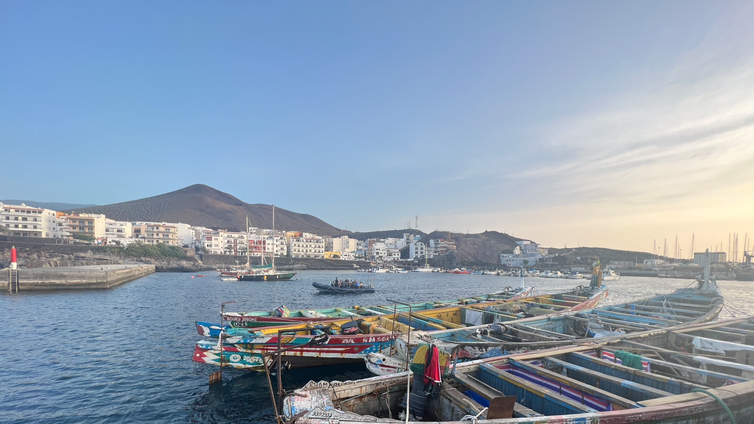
(201, 205)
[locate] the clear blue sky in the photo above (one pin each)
(599, 123)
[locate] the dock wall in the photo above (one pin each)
(42, 279)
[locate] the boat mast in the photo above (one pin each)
(521, 272)
(248, 261)
(273, 238)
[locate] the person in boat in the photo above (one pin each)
(336, 282)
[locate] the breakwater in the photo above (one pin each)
(75, 278)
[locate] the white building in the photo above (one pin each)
(342, 245)
(212, 241)
(307, 246)
(417, 250)
(518, 257)
(530, 250)
(27, 221)
(233, 242)
(118, 229)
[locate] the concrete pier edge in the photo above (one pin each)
(85, 278)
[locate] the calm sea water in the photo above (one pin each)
(124, 355)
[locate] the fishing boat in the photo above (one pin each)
(609, 275)
(462, 271)
(270, 274)
(245, 347)
(334, 288)
(484, 319)
(690, 374)
(282, 315)
(560, 328)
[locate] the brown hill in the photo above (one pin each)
(478, 249)
(202, 205)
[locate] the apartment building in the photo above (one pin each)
(27, 221)
(161, 233)
(87, 224)
(118, 229)
(307, 246)
(234, 243)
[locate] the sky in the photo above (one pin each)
(579, 123)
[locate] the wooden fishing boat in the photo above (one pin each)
(281, 315)
(334, 289)
(680, 307)
(648, 377)
(345, 339)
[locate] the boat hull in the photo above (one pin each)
(305, 350)
(266, 277)
(329, 289)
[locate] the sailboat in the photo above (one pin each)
(271, 274)
(426, 267)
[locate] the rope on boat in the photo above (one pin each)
(473, 418)
(730, 413)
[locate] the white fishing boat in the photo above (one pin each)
(609, 275)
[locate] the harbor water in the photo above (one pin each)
(124, 355)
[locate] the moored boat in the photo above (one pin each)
(244, 347)
(283, 316)
(683, 306)
(334, 288)
(650, 377)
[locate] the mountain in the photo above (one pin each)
(201, 205)
(46, 205)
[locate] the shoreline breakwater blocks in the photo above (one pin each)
(75, 278)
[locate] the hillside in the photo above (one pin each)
(201, 205)
(587, 255)
(478, 249)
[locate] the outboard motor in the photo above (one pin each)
(350, 328)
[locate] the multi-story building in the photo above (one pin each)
(343, 244)
(513, 257)
(87, 224)
(118, 229)
(529, 249)
(376, 250)
(212, 241)
(234, 243)
(441, 247)
(161, 233)
(307, 246)
(524, 254)
(27, 221)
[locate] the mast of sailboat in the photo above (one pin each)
(521, 272)
(273, 238)
(248, 239)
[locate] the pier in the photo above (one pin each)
(71, 278)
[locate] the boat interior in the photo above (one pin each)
(654, 368)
